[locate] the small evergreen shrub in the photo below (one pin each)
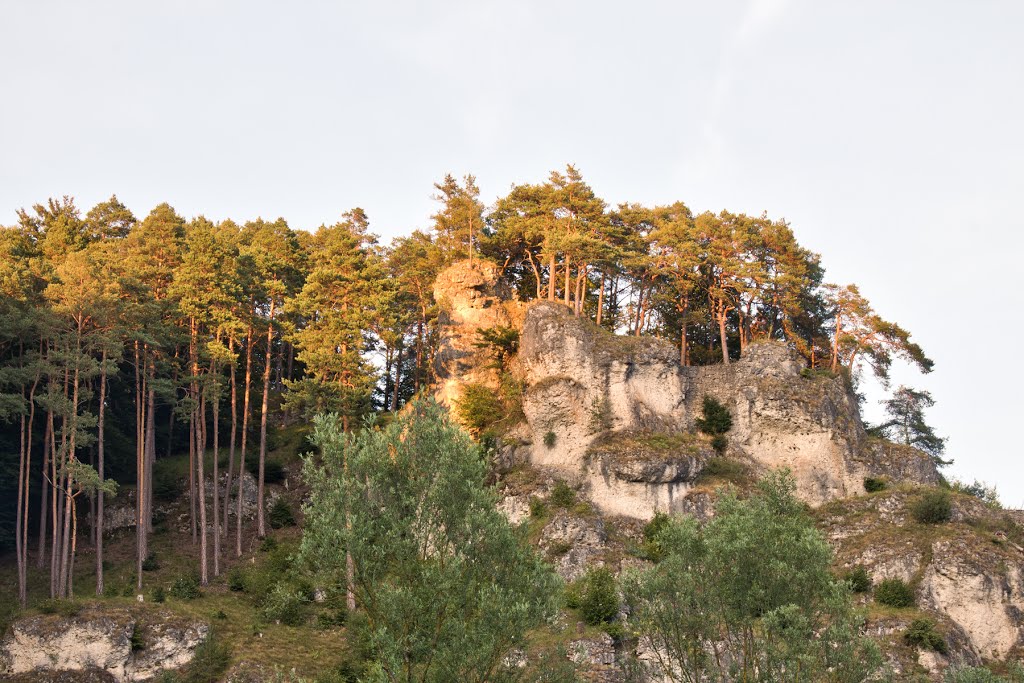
(65, 608)
(859, 579)
(166, 486)
(562, 495)
(572, 597)
(150, 564)
(549, 439)
(185, 588)
(479, 408)
(719, 443)
(236, 580)
(934, 506)
(538, 508)
(725, 468)
(652, 549)
(874, 484)
(211, 659)
(284, 605)
(268, 544)
(921, 633)
(599, 600)
(978, 674)
(138, 643)
(273, 471)
(894, 593)
(159, 595)
(716, 420)
(281, 514)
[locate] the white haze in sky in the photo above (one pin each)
(890, 135)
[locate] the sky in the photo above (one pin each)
(889, 134)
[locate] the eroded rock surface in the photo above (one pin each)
(113, 645)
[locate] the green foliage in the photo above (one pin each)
(894, 593)
(268, 544)
(281, 514)
(150, 564)
(185, 588)
(285, 605)
(562, 495)
(756, 579)
(921, 633)
(158, 595)
(65, 608)
(448, 585)
(652, 549)
(874, 484)
(167, 486)
(978, 489)
(933, 506)
(907, 425)
(211, 659)
(273, 471)
(538, 508)
(599, 596)
(236, 580)
(549, 439)
(502, 342)
(972, 674)
(859, 579)
(719, 443)
(137, 641)
(601, 418)
(716, 417)
(479, 408)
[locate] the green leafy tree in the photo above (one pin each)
(449, 588)
(749, 597)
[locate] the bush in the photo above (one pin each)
(538, 508)
(934, 506)
(859, 579)
(921, 633)
(158, 595)
(166, 486)
(281, 514)
(716, 420)
(273, 471)
(137, 641)
(874, 484)
(284, 605)
(719, 443)
(894, 593)
(549, 439)
(236, 580)
(65, 608)
(185, 588)
(268, 544)
(972, 674)
(150, 564)
(210, 661)
(652, 549)
(562, 495)
(725, 468)
(599, 598)
(479, 408)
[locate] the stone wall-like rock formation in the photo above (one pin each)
(100, 643)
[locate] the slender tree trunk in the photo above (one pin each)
(45, 494)
(261, 529)
(100, 471)
(721, 315)
(55, 507)
(69, 505)
(568, 288)
(245, 431)
(23, 465)
(552, 277)
(231, 446)
(150, 445)
(216, 465)
(600, 300)
(204, 577)
(398, 372)
(140, 467)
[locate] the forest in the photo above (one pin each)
(124, 341)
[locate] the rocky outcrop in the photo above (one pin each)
(117, 645)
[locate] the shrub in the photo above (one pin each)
(859, 579)
(894, 593)
(185, 588)
(137, 641)
(281, 514)
(874, 484)
(538, 508)
(599, 598)
(284, 605)
(719, 443)
(549, 439)
(65, 608)
(273, 471)
(572, 596)
(158, 595)
(562, 495)
(921, 633)
(934, 506)
(724, 468)
(210, 661)
(479, 408)
(652, 549)
(972, 674)
(236, 580)
(716, 420)
(980, 490)
(268, 544)
(166, 486)
(150, 564)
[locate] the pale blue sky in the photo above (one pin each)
(890, 134)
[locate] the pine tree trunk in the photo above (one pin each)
(245, 431)
(100, 471)
(721, 335)
(261, 529)
(231, 446)
(44, 497)
(600, 300)
(216, 465)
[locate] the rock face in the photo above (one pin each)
(470, 298)
(586, 388)
(112, 644)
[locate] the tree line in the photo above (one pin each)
(125, 340)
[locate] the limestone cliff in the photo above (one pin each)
(593, 400)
